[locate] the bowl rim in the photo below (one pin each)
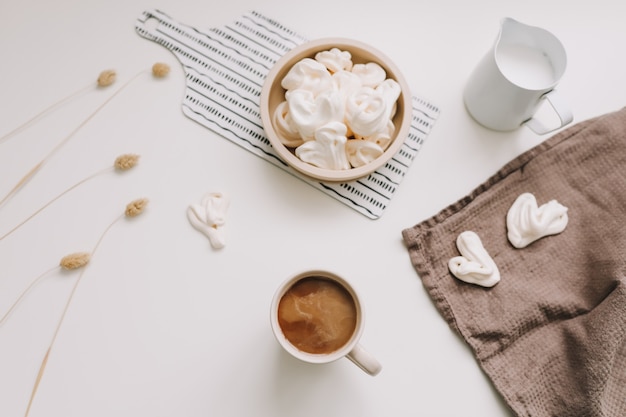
(331, 175)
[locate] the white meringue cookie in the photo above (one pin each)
(335, 59)
(216, 205)
(383, 137)
(308, 112)
(526, 222)
(391, 91)
(209, 217)
(474, 266)
(346, 83)
(285, 127)
(371, 73)
(328, 149)
(361, 152)
(308, 74)
(367, 112)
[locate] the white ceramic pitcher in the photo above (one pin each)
(515, 77)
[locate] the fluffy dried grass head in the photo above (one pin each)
(75, 260)
(106, 78)
(160, 70)
(126, 161)
(136, 207)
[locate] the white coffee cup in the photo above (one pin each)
(515, 77)
(351, 349)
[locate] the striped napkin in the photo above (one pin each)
(225, 69)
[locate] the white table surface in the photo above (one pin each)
(161, 324)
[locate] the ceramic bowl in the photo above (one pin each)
(272, 94)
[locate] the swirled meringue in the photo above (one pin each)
(361, 152)
(527, 222)
(371, 73)
(383, 137)
(328, 149)
(475, 265)
(391, 90)
(346, 83)
(286, 128)
(309, 113)
(335, 59)
(209, 217)
(366, 112)
(307, 74)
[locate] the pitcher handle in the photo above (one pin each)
(561, 109)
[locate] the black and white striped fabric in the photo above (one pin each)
(225, 69)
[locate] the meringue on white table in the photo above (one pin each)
(209, 217)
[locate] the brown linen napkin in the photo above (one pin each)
(551, 335)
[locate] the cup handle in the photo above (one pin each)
(561, 109)
(364, 360)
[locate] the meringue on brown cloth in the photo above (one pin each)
(551, 335)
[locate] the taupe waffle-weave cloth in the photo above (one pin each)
(551, 335)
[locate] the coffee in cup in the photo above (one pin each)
(316, 316)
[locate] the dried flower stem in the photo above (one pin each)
(23, 222)
(140, 202)
(121, 163)
(105, 79)
(38, 166)
(71, 261)
(32, 284)
(44, 362)
(44, 112)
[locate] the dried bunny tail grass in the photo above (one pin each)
(38, 166)
(72, 261)
(160, 70)
(75, 260)
(136, 207)
(105, 79)
(126, 161)
(122, 163)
